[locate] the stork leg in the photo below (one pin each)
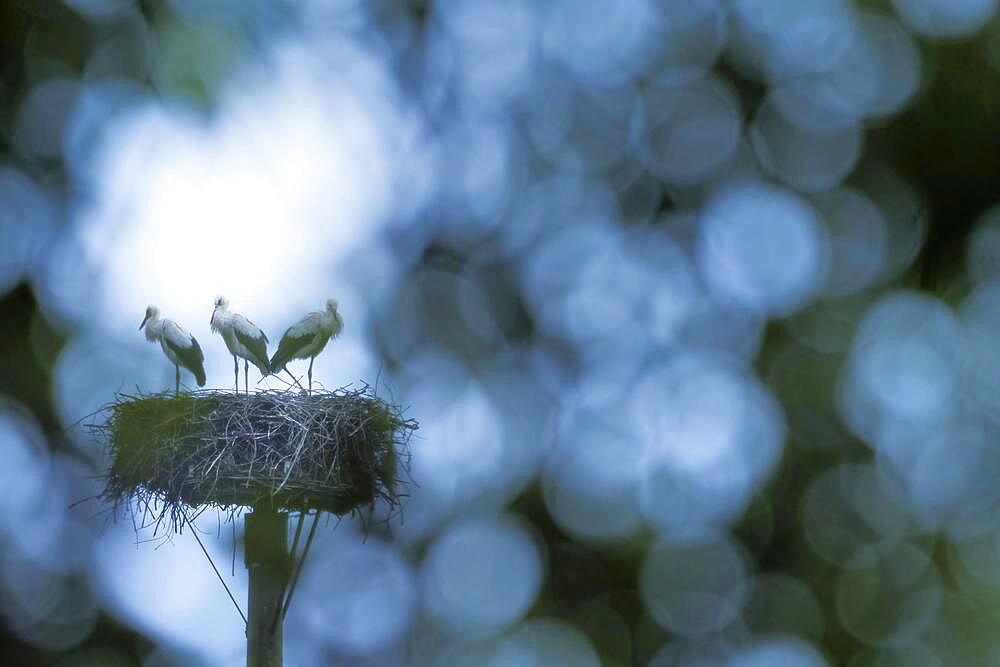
(246, 375)
(311, 359)
(236, 373)
(294, 379)
(177, 379)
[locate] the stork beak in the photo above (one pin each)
(212, 318)
(144, 321)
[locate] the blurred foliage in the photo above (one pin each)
(946, 143)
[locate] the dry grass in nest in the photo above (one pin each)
(333, 451)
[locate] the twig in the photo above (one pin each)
(215, 569)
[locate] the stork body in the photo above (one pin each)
(306, 338)
(244, 339)
(180, 347)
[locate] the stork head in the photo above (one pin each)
(152, 312)
(221, 302)
(331, 305)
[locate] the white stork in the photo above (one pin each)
(243, 338)
(180, 347)
(306, 338)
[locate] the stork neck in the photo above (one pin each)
(219, 317)
(152, 329)
(332, 322)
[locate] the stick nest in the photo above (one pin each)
(332, 451)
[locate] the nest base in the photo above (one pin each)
(334, 451)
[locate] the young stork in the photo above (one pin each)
(180, 347)
(243, 338)
(306, 338)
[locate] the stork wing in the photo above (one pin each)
(298, 336)
(185, 348)
(254, 340)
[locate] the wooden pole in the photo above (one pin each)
(267, 565)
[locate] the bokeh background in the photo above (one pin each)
(697, 303)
